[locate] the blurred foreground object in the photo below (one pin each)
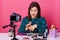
(53, 31)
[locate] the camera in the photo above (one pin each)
(15, 17)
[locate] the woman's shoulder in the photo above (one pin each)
(25, 18)
(41, 18)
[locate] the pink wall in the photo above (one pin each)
(50, 9)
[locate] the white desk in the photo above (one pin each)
(4, 36)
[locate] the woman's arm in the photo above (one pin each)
(22, 26)
(42, 25)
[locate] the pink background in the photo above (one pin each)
(50, 9)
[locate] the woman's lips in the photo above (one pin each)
(33, 14)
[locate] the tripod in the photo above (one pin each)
(14, 38)
(13, 26)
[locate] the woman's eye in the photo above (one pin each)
(31, 10)
(34, 10)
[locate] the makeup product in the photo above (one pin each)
(26, 38)
(45, 33)
(53, 31)
(10, 33)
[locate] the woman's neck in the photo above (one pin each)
(34, 17)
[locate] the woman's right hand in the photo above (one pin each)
(27, 26)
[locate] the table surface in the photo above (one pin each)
(4, 36)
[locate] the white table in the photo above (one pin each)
(4, 36)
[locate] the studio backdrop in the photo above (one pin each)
(50, 9)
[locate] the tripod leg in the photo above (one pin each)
(14, 38)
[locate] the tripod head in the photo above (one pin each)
(13, 18)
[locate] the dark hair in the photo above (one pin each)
(34, 4)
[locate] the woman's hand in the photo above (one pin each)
(33, 27)
(27, 26)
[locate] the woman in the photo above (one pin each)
(33, 23)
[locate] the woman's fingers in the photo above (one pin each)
(28, 25)
(30, 28)
(26, 29)
(33, 27)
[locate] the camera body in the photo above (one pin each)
(15, 17)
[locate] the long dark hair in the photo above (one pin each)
(34, 4)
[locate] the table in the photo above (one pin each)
(4, 36)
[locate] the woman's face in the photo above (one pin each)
(33, 12)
